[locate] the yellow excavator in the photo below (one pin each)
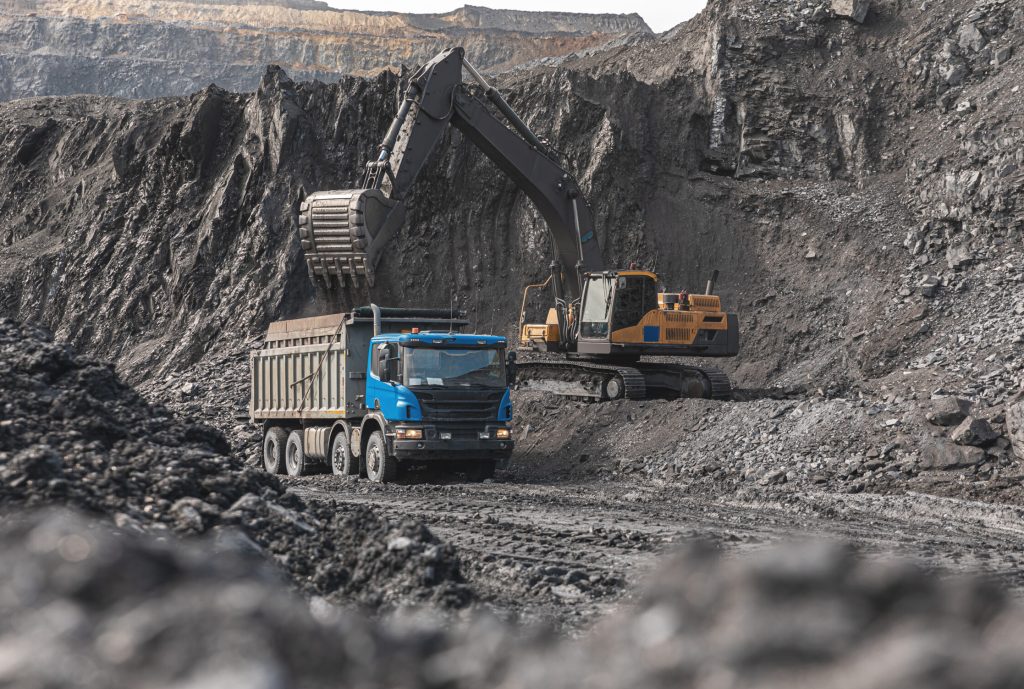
(602, 323)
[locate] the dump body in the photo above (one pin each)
(314, 369)
(375, 388)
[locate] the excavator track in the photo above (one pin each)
(600, 382)
(721, 386)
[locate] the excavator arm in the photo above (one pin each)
(344, 233)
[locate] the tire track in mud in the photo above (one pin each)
(567, 554)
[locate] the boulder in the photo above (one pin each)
(971, 38)
(959, 256)
(941, 454)
(974, 431)
(857, 10)
(929, 286)
(1015, 423)
(948, 411)
(954, 73)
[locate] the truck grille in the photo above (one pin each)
(460, 407)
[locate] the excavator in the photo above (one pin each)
(602, 322)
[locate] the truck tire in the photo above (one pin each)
(274, 442)
(480, 471)
(380, 467)
(294, 458)
(342, 461)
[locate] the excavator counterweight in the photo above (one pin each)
(602, 322)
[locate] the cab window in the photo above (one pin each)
(594, 319)
(380, 355)
(635, 295)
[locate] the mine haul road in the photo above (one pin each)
(567, 553)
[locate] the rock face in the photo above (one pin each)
(137, 49)
(154, 232)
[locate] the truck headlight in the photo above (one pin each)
(503, 433)
(409, 433)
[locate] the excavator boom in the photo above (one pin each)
(344, 233)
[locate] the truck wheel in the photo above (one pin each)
(294, 457)
(380, 468)
(342, 461)
(273, 449)
(480, 471)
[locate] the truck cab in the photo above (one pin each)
(437, 396)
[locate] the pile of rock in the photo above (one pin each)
(73, 434)
(83, 607)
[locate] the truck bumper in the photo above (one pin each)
(440, 450)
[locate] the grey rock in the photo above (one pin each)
(959, 256)
(857, 10)
(974, 431)
(1003, 55)
(1015, 423)
(970, 38)
(954, 73)
(948, 411)
(929, 286)
(941, 454)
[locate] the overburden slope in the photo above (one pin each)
(855, 183)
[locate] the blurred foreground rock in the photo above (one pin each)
(82, 606)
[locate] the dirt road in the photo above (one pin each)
(568, 553)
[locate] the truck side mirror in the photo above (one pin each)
(510, 368)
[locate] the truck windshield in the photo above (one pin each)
(453, 367)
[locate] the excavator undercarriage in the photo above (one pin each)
(599, 382)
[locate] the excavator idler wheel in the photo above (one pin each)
(614, 388)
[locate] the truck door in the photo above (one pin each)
(380, 393)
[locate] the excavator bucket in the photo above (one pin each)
(344, 232)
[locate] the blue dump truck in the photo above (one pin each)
(377, 390)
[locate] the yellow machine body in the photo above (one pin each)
(623, 314)
(677, 322)
(542, 335)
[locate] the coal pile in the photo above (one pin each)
(82, 606)
(73, 434)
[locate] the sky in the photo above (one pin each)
(660, 15)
